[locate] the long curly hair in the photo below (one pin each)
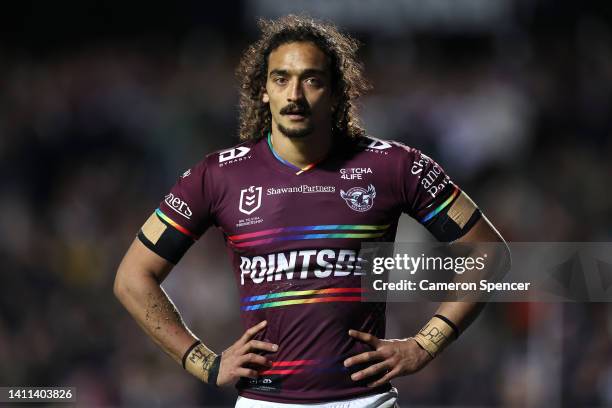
(348, 82)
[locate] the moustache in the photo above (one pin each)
(295, 109)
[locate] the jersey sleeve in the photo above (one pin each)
(433, 199)
(183, 215)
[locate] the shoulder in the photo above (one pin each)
(395, 157)
(229, 157)
(373, 147)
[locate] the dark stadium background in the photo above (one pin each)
(103, 105)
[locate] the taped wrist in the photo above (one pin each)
(436, 335)
(202, 362)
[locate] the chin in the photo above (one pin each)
(296, 132)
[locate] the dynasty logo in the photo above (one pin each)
(233, 155)
(375, 145)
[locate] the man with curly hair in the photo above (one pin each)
(294, 202)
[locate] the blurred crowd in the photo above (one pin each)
(92, 138)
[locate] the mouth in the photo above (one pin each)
(296, 116)
(295, 112)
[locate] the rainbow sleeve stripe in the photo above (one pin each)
(169, 221)
(354, 295)
(276, 234)
(441, 206)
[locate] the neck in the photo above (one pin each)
(301, 151)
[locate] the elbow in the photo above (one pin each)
(120, 288)
(131, 282)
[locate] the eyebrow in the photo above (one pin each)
(306, 72)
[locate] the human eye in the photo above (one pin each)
(314, 81)
(279, 80)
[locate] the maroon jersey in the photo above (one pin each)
(293, 237)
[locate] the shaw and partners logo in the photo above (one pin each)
(304, 189)
(303, 264)
(250, 200)
(358, 198)
(178, 205)
(431, 180)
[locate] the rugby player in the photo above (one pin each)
(294, 202)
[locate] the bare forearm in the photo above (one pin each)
(153, 310)
(483, 238)
(461, 313)
(453, 318)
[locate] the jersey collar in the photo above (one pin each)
(295, 168)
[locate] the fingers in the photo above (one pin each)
(253, 358)
(252, 331)
(258, 345)
(363, 358)
(385, 379)
(365, 337)
(370, 371)
(246, 372)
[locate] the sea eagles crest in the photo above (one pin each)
(358, 198)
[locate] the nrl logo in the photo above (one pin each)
(250, 200)
(359, 199)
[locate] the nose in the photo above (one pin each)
(295, 91)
